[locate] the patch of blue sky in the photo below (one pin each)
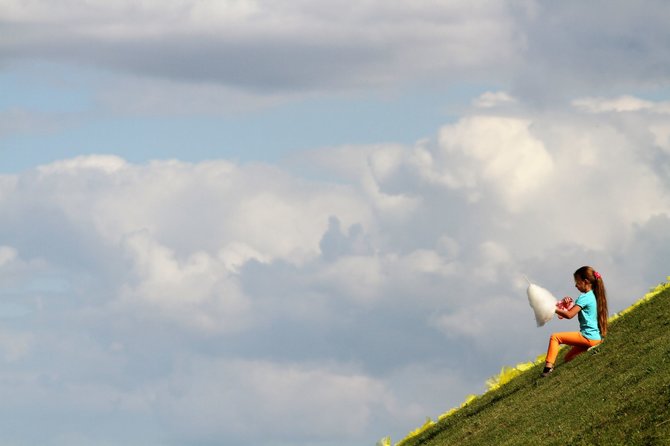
(11, 310)
(80, 127)
(19, 300)
(37, 285)
(45, 88)
(265, 136)
(656, 94)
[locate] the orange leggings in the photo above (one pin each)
(579, 345)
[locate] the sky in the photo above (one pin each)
(306, 223)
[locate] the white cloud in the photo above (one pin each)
(661, 134)
(374, 277)
(269, 46)
(479, 321)
(179, 234)
(428, 261)
(7, 254)
(209, 205)
(236, 254)
(15, 345)
(241, 304)
(198, 291)
(206, 297)
(355, 277)
(261, 51)
(620, 104)
(107, 164)
(492, 151)
(494, 99)
(378, 172)
(268, 402)
(491, 256)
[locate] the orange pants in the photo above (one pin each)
(579, 345)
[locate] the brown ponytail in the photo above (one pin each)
(598, 287)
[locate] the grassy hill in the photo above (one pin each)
(616, 394)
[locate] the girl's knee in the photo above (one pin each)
(574, 351)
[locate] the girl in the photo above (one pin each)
(591, 307)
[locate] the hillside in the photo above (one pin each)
(616, 394)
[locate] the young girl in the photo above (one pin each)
(591, 308)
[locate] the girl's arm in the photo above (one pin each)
(569, 314)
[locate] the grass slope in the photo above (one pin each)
(616, 394)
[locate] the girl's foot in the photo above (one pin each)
(547, 371)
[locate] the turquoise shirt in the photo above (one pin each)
(588, 316)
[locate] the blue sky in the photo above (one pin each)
(73, 117)
(307, 223)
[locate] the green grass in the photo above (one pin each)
(615, 394)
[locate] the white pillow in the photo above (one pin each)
(542, 302)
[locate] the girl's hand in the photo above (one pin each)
(565, 304)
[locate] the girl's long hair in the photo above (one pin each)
(598, 287)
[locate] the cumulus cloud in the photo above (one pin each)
(198, 291)
(495, 150)
(224, 303)
(185, 230)
(542, 172)
(477, 321)
(258, 401)
(217, 301)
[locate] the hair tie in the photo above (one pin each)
(597, 275)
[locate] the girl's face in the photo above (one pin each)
(582, 285)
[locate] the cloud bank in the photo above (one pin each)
(346, 293)
(543, 50)
(218, 302)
